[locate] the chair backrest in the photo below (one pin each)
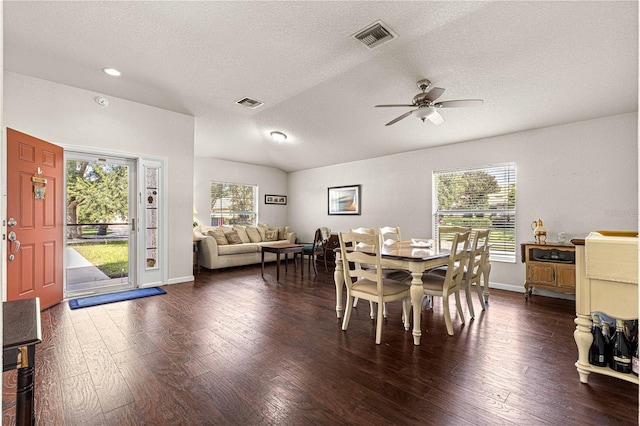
(446, 234)
(477, 254)
(318, 243)
(369, 231)
(360, 249)
(390, 233)
(456, 264)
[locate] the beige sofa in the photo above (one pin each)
(227, 246)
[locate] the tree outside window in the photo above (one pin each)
(233, 204)
(482, 198)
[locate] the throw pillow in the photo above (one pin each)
(219, 236)
(271, 235)
(242, 232)
(233, 237)
(262, 229)
(253, 234)
(281, 233)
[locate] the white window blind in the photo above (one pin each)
(233, 204)
(482, 198)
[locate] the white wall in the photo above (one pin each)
(69, 116)
(269, 180)
(578, 178)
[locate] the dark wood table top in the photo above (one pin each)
(21, 323)
(403, 250)
(281, 246)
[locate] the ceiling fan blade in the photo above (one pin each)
(434, 94)
(436, 118)
(459, 103)
(394, 105)
(395, 120)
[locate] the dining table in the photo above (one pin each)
(404, 255)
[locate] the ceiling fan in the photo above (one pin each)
(427, 107)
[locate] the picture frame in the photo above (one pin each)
(275, 199)
(344, 200)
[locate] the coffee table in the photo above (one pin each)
(285, 248)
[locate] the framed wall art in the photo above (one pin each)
(344, 199)
(275, 199)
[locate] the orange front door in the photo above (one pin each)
(35, 215)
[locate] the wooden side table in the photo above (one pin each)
(285, 248)
(196, 256)
(21, 331)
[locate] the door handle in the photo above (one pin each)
(12, 239)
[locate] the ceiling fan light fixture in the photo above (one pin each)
(424, 113)
(278, 136)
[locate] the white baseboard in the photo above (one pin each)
(520, 289)
(179, 280)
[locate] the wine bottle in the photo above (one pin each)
(597, 351)
(608, 341)
(621, 355)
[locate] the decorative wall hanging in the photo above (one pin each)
(275, 199)
(344, 199)
(39, 185)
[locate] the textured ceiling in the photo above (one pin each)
(536, 64)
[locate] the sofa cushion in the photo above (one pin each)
(218, 234)
(253, 234)
(271, 234)
(238, 249)
(242, 233)
(233, 237)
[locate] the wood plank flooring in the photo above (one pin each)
(234, 349)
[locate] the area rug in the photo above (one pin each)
(114, 297)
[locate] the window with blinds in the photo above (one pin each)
(480, 198)
(233, 204)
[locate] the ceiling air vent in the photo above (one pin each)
(375, 35)
(249, 103)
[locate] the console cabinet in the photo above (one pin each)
(550, 266)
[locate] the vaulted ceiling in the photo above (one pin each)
(535, 64)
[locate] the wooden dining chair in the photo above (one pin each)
(446, 234)
(318, 247)
(474, 266)
(435, 284)
(363, 277)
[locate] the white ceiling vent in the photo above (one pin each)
(249, 103)
(375, 34)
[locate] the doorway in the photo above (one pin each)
(101, 244)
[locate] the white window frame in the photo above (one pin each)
(503, 246)
(212, 203)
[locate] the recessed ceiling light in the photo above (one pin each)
(278, 136)
(112, 72)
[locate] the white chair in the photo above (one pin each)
(387, 233)
(368, 282)
(435, 284)
(473, 271)
(474, 266)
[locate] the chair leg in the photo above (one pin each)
(379, 323)
(467, 293)
(479, 293)
(347, 314)
(447, 315)
(384, 309)
(459, 306)
(372, 312)
(355, 302)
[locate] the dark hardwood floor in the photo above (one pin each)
(234, 349)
